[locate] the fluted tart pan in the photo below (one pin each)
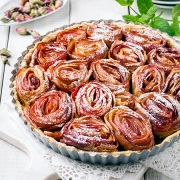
(116, 149)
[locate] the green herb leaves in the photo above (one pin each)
(144, 6)
(162, 25)
(125, 2)
(175, 22)
(176, 11)
(130, 18)
(148, 15)
(175, 26)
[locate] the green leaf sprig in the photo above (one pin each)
(148, 15)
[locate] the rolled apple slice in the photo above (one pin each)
(163, 111)
(124, 98)
(147, 38)
(165, 58)
(87, 49)
(30, 83)
(107, 31)
(132, 131)
(46, 54)
(66, 35)
(172, 85)
(89, 133)
(148, 78)
(51, 110)
(130, 55)
(111, 73)
(93, 98)
(67, 75)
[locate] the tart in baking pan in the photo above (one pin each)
(101, 91)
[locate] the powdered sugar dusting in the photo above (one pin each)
(104, 32)
(96, 98)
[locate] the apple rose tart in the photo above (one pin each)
(106, 31)
(147, 38)
(89, 133)
(163, 111)
(106, 86)
(46, 54)
(165, 58)
(67, 75)
(132, 131)
(148, 78)
(93, 98)
(30, 83)
(172, 85)
(87, 49)
(129, 54)
(50, 110)
(111, 73)
(66, 35)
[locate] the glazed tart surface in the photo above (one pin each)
(101, 91)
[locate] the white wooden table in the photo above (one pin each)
(74, 11)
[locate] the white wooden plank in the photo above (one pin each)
(17, 43)
(95, 10)
(13, 161)
(3, 44)
(152, 174)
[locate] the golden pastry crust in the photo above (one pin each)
(26, 61)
